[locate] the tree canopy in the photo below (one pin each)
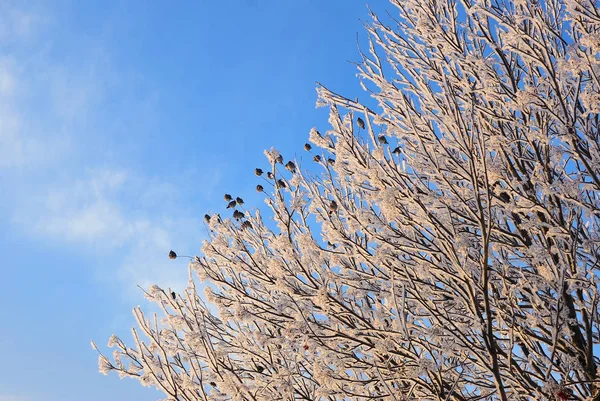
(445, 249)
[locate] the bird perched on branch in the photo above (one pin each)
(238, 215)
(270, 175)
(279, 159)
(281, 184)
(307, 147)
(173, 255)
(317, 159)
(239, 201)
(258, 171)
(207, 218)
(231, 204)
(360, 122)
(333, 206)
(227, 197)
(290, 166)
(259, 188)
(382, 140)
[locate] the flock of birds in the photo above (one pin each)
(280, 183)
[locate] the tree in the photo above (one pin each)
(448, 250)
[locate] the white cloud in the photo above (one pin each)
(101, 214)
(17, 23)
(48, 111)
(27, 137)
(84, 211)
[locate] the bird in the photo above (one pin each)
(231, 204)
(227, 197)
(246, 224)
(173, 295)
(382, 140)
(317, 158)
(333, 207)
(259, 188)
(260, 369)
(564, 393)
(239, 201)
(258, 171)
(279, 159)
(331, 161)
(290, 166)
(396, 150)
(238, 215)
(207, 218)
(360, 122)
(270, 175)
(281, 184)
(307, 147)
(504, 197)
(172, 255)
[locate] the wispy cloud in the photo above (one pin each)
(98, 208)
(114, 211)
(21, 143)
(18, 24)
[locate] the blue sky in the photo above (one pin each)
(121, 124)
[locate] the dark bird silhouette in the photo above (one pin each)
(396, 150)
(279, 159)
(258, 172)
(238, 215)
(231, 204)
(504, 197)
(173, 295)
(173, 255)
(227, 197)
(331, 161)
(281, 184)
(317, 158)
(260, 369)
(360, 122)
(382, 140)
(239, 201)
(246, 224)
(259, 188)
(207, 218)
(290, 166)
(307, 147)
(333, 207)
(270, 175)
